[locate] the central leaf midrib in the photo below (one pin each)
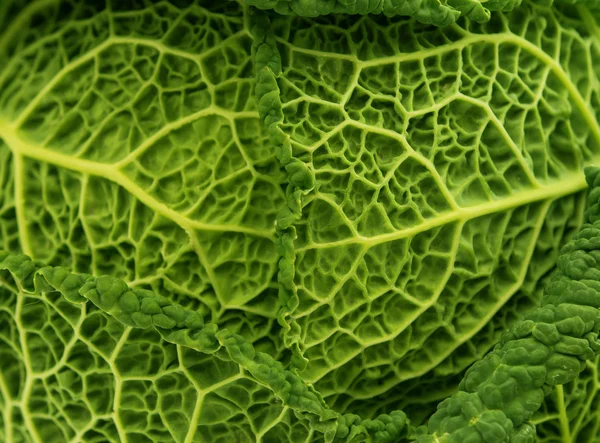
(108, 172)
(570, 184)
(23, 148)
(467, 335)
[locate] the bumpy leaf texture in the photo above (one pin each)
(131, 146)
(405, 189)
(131, 366)
(447, 168)
(439, 13)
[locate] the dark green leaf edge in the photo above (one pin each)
(548, 347)
(300, 178)
(430, 12)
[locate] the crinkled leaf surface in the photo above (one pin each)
(131, 146)
(447, 166)
(434, 12)
(72, 373)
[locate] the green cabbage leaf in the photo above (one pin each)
(293, 221)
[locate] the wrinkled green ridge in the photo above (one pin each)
(497, 397)
(140, 308)
(548, 347)
(301, 179)
(436, 12)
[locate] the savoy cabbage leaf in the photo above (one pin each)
(274, 221)
(447, 170)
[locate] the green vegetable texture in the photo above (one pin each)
(299, 221)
